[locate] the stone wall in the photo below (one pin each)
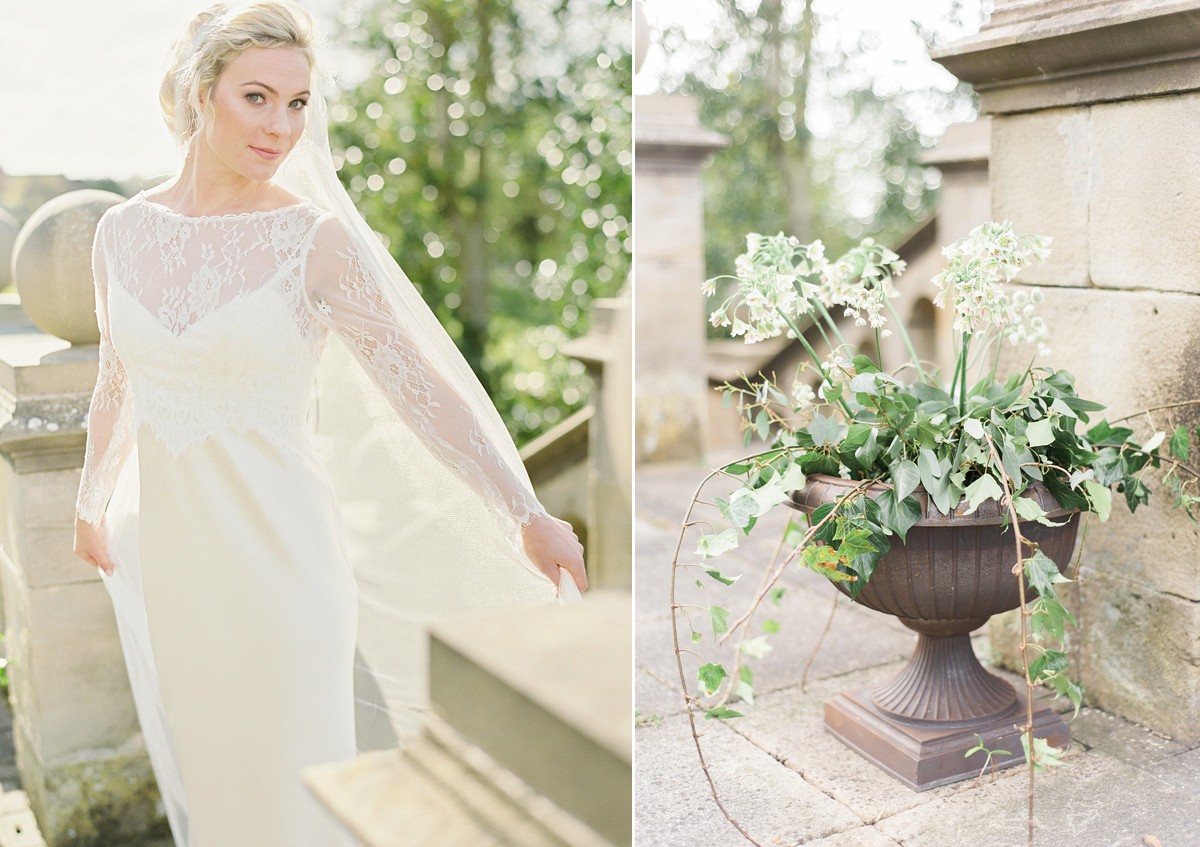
(1096, 147)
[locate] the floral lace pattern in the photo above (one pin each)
(216, 324)
(350, 302)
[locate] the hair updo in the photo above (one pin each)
(213, 39)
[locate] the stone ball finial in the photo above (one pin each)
(52, 264)
(8, 236)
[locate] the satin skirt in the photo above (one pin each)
(238, 616)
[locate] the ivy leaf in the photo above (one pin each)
(1179, 444)
(1050, 662)
(721, 713)
(1044, 756)
(696, 637)
(711, 676)
(1100, 497)
(973, 428)
(1048, 617)
(899, 516)
(714, 545)
(1062, 686)
(905, 477)
(1040, 433)
(1029, 510)
(720, 577)
(719, 618)
(756, 648)
(1042, 573)
(824, 430)
(1155, 440)
(984, 488)
(777, 595)
(770, 626)
(792, 478)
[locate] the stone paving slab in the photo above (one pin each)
(673, 806)
(1100, 802)
(1126, 783)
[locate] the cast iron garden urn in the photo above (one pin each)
(951, 575)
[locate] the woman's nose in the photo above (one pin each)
(278, 124)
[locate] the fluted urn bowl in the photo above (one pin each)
(952, 573)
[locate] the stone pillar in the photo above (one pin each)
(78, 743)
(670, 386)
(607, 350)
(1093, 142)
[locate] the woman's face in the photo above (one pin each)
(257, 110)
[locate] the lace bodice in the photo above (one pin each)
(213, 324)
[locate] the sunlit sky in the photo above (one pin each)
(79, 78)
(79, 84)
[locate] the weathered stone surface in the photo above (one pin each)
(1124, 741)
(863, 836)
(1144, 185)
(69, 684)
(108, 796)
(674, 807)
(52, 264)
(1141, 655)
(1039, 169)
(669, 386)
(1181, 771)
(1069, 811)
(790, 725)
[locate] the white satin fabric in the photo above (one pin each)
(272, 577)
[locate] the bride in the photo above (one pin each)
(289, 468)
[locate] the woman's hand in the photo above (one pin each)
(551, 544)
(91, 545)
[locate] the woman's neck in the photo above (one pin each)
(204, 187)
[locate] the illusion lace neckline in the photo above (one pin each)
(164, 210)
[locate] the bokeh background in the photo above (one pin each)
(488, 142)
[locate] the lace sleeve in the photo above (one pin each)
(350, 302)
(109, 417)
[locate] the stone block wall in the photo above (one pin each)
(1102, 156)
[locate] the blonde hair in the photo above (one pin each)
(213, 39)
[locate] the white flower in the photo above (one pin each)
(324, 308)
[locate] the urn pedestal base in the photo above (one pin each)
(926, 754)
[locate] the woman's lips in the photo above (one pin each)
(269, 155)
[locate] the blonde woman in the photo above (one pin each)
(271, 560)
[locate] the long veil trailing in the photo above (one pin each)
(422, 542)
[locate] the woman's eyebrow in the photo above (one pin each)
(269, 88)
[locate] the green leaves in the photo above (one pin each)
(1179, 444)
(714, 545)
(718, 616)
(1040, 433)
(1100, 497)
(711, 676)
(824, 430)
(1042, 573)
(905, 477)
(1044, 756)
(898, 515)
(984, 488)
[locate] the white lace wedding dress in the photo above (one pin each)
(236, 606)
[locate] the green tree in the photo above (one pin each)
(492, 152)
(827, 132)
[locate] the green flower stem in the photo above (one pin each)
(816, 359)
(912, 352)
(962, 374)
(832, 324)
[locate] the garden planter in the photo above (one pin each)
(952, 574)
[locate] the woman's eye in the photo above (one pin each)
(299, 104)
(254, 97)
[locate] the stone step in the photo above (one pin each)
(547, 693)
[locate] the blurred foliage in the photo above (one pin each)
(492, 151)
(827, 126)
